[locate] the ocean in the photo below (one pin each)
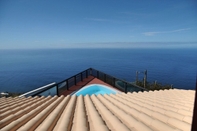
(24, 70)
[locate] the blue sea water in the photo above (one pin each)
(24, 70)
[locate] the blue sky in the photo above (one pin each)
(97, 23)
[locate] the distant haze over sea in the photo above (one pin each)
(103, 45)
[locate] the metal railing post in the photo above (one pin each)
(97, 74)
(67, 84)
(125, 87)
(114, 81)
(81, 76)
(86, 73)
(57, 90)
(90, 71)
(75, 80)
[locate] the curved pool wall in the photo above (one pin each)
(96, 89)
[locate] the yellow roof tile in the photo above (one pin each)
(144, 111)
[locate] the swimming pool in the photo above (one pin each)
(95, 89)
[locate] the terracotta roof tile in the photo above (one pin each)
(164, 110)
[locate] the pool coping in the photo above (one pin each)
(87, 81)
(88, 85)
(97, 81)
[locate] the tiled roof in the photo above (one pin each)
(168, 110)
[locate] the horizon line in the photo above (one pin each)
(112, 45)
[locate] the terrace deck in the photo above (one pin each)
(81, 84)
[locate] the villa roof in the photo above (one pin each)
(164, 110)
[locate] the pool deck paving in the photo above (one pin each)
(87, 81)
(97, 81)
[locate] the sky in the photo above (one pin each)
(98, 23)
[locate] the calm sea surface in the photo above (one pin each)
(24, 70)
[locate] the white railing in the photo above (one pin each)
(40, 88)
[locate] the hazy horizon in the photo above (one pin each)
(140, 45)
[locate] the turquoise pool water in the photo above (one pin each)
(95, 89)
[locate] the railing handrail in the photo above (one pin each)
(56, 84)
(120, 79)
(52, 85)
(40, 88)
(73, 76)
